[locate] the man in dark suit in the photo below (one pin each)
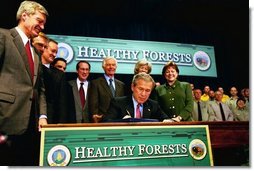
(81, 111)
(138, 105)
(59, 63)
(103, 89)
(22, 99)
(55, 86)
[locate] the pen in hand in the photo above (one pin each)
(128, 115)
(128, 112)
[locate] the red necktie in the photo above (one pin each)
(30, 58)
(82, 95)
(138, 113)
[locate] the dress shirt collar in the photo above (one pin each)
(85, 83)
(135, 102)
(107, 78)
(47, 65)
(22, 35)
(218, 102)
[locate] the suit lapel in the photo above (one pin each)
(75, 92)
(105, 85)
(21, 48)
(146, 110)
(129, 107)
(36, 66)
(117, 87)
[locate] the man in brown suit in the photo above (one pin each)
(103, 89)
(22, 99)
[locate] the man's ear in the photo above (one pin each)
(24, 16)
(132, 86)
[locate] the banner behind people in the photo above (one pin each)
(194, 60)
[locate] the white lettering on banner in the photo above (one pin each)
(128, 151)
(90, 53)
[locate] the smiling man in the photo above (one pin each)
(79, 93)
(22, 98)
(104, 88)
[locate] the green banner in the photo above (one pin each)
(193, 60)
(126, 146)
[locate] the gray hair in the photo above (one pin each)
(142, 76)
(143, 62)
(30, 7)
(106, 59)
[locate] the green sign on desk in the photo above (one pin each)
(126, 146)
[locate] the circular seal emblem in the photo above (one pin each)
(59, 155)
(201, 60)
(65, 51)
(197, 149)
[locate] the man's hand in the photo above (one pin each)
(177, 118)
(42, 121)
(97, 118)
(168, 120)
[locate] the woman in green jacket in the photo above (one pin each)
(174, 97)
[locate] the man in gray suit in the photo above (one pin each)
(221, 110)
(22, 99)
(81, 112)
(206, 112)
(103, 89)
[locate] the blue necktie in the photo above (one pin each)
(111, 87)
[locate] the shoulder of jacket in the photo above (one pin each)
(120, 82)
(184, 83)
(98, 79)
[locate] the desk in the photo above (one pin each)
(228, 139)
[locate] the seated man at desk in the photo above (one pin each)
(138, 105)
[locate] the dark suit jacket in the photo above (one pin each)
(100, 95)
(80, 115)
(56, 95)
(17, 90)
(122, 106)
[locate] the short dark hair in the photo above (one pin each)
(58, 59)
(170, 64)
(241, 98)
(142, 76)
(83, 61)
(52, 40)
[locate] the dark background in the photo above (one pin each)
(223, 24)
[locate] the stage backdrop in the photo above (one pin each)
(193, 60)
